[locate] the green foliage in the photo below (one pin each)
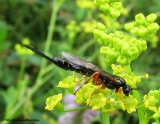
(27, 80)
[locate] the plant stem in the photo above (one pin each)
(141, 115)
(22, 69)
(106, 118)
(112, 23)
(77, 109)
(48, 69)
(142, 119)
(128, 69)
(39, 82)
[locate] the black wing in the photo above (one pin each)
(85, 64)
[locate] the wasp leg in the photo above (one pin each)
(95, 76)
(119, 90)
(99, 88)
(81, 79)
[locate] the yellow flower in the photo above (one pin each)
(88, 27)
(127, 102)
(130, 78)
(97, 101)
(85, 4)
(21, 50)
(109, 107)
(68, 82)
(52, 101)
(151, 101)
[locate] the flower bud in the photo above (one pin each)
(135, 30)
(117, 5)
(104, 7)
(142, 32)
(115, 13)
(151, 18)
(153, 27)
(128, 26)
(101, 26)
(140, 19)
(122, 60)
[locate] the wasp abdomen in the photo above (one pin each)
(61, 63)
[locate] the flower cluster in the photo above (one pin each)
(152, 100)
(127, 102)
(143, 27)
(118, 48)
(88, 27)
(105, 19)
(98, 101)
(52, 101)
(22, 50)
(85, 4)
(85, 27)
(72, 26)
(109, 7)
(130, 78)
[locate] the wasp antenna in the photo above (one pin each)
(134, 89)
(140, 89)
(38, 52)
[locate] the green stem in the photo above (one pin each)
(49, 76)
(20, 87)
(112, 23)
(85, 46)
(39, 82)
(47, 69)
(106, 118)
(142, 119)
(50, 33)
(128, 69)
(77, 109)
(22, 69)
(141, 115)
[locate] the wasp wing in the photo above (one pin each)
(85, 64)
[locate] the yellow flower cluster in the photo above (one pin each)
(130, 78)
(152, 100)
(52, 101)
(22, 50)
(85, 4)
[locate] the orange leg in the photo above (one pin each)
(95, 76)
(81, 79)
(99, 88)
(119, 90)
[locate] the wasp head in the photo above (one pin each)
(126, 89)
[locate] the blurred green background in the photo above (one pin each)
(53, 26)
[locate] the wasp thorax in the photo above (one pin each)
(122, 81)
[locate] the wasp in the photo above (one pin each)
(100, 77)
